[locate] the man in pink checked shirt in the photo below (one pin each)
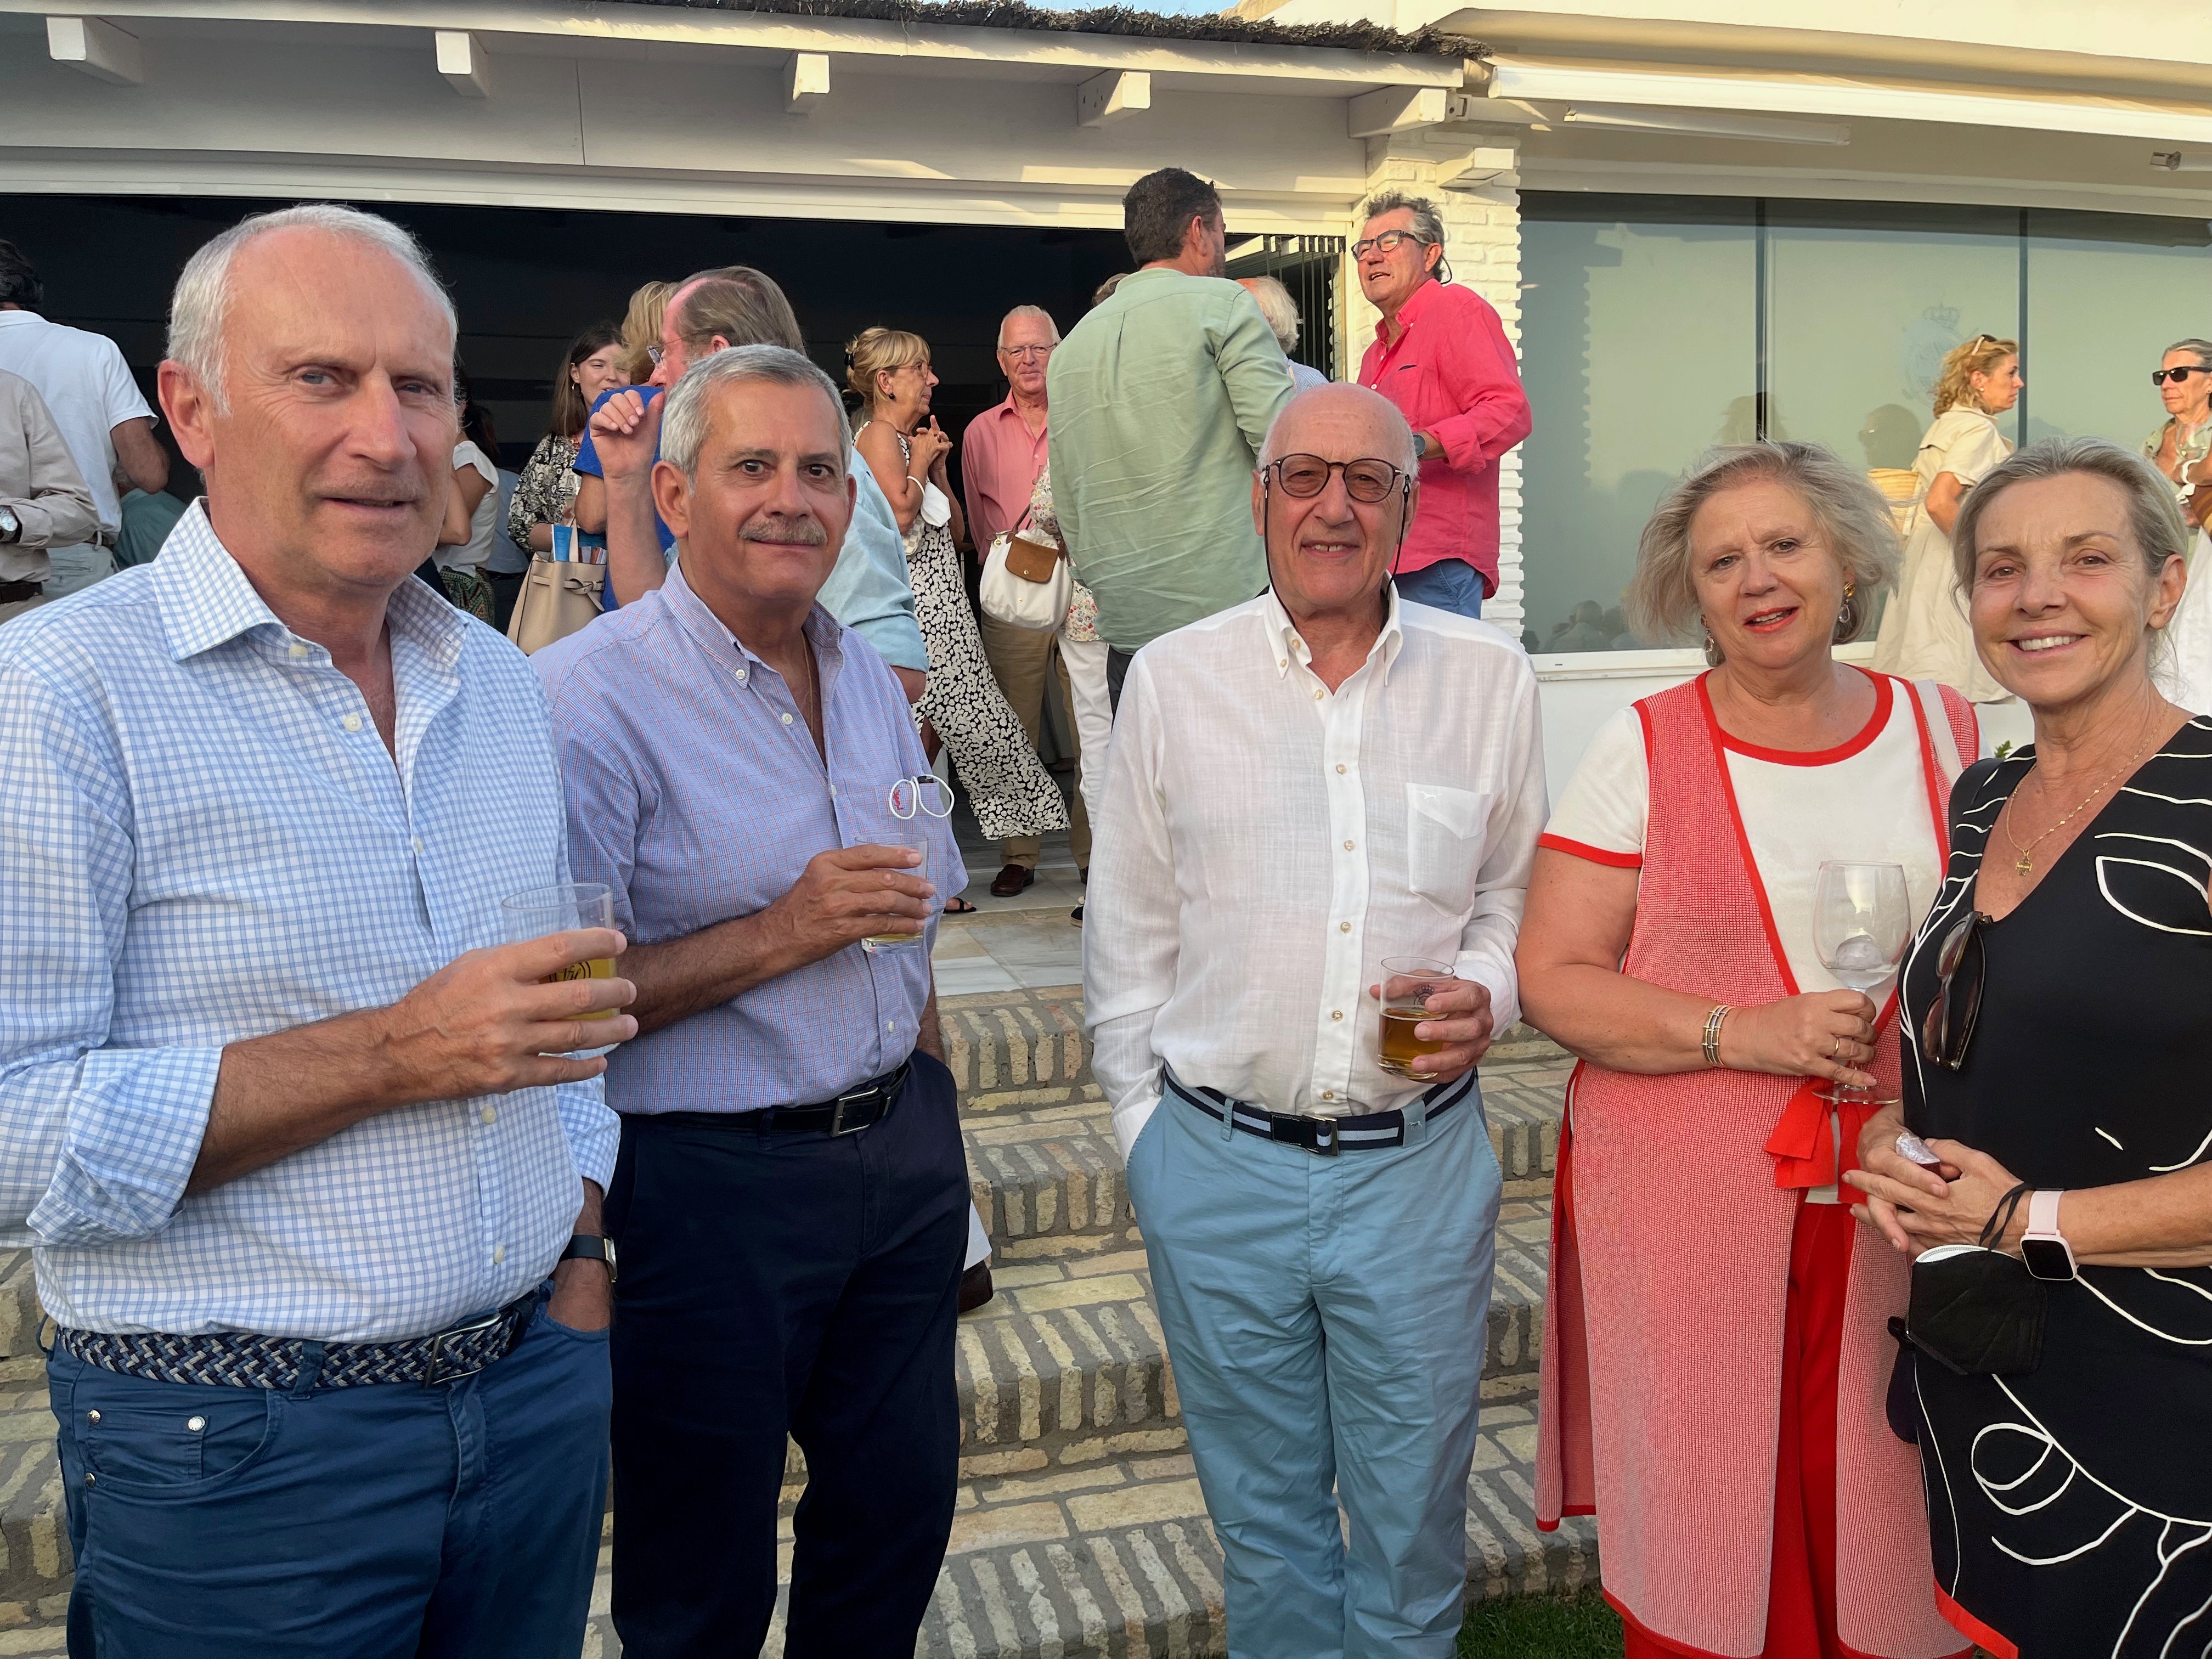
(1441, 354)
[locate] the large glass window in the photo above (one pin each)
(1638, 332)
(2106, 294)
(1654, 325)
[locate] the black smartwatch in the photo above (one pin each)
(590, 1247)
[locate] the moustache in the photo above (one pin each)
(772, 527)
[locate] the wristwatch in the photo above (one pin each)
(590, 1247)
(2043, 1247)
(11, 527)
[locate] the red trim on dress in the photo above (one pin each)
(1884, 700)
(1721, 742)
(1596, 855)
(1969, 1625)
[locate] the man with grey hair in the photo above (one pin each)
(294, 1130)
(1440, 353)
(1305, 788)
(792, 1197)
(1002, 456)
(1282, 314)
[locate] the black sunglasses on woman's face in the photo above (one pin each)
(2178, 376)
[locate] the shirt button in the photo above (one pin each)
(1329, 1094)
(890, 1025)
(490, 1115)
(417, 843)
(1316, 696)
(741, 675)
(499, 1256)
(299, 651)
(1343, 926)
(1347, 847)
(1336, 1013)
(1340, 767)
(351, 722)
(1282, 662)
(787, 719)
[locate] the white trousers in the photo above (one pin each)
(1094, 715)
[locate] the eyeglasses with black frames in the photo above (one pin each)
(1367, 479)
(1388, 242)
(2178, 376)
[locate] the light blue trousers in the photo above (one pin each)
(1325, 1318)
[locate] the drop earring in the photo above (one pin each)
(1847, 617)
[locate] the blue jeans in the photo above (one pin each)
(383, 1521)
(1448, 585)
(1326, 1317)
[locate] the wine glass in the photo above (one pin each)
(1862, 923)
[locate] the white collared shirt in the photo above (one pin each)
(1266, 843)
(87, 385)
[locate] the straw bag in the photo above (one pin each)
(558, 597)
(1026, 583)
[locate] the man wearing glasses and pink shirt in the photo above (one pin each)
(1441, 354)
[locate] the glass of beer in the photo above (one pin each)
(1407, 984)
(563, 910)
(918, 841)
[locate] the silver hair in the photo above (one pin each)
(1276, 306)
(684, 423)
(1038, 311)
(2154, 513)
(1428, 222)
(1661, 600)
(1409, 448)
(2202, 349)
(199, 310)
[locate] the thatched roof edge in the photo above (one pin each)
(1108, 20)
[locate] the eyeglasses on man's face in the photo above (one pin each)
(1027, 354)
(1366, 480)
(2178, 376)
(1388, 242)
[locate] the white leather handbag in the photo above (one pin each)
(1026, 583)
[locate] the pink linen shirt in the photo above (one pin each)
(1452, 374)
(999, 462)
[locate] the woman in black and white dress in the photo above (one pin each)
(1005, 784)
(2058, 1044)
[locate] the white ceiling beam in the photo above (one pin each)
(806, 82)
(461, 61)
(1105, 99)
(97, 47)
(1397, 109)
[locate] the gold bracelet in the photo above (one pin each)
(1711, 1042)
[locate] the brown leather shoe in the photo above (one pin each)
(1012, 881)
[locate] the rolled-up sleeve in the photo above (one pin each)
(1130, 944)
(1517, 818)
(1481, 383)
(96, 1144)
(869, 590)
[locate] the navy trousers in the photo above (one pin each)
(785, 1284)
(386, 1522)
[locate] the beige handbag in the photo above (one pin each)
(1026, 583)
(558, 597)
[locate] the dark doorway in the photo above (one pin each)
(526, 279)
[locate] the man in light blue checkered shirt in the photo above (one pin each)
(291, 1126)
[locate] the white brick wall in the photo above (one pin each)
(1482, 242)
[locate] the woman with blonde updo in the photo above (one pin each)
(1923, 633)
(641, 329)
(1006, 786)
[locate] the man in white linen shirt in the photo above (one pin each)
(97, 404)
(1300, 787)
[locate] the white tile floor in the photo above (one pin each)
(1023, 943)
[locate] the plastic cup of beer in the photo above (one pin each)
(918, 841)
(563, 910)
(1407, 984)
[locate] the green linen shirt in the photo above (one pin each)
(1160, 398)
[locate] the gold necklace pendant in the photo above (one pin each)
(2024, 866)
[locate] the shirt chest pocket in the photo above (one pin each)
(1445, 830)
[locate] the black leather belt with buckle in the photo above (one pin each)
(857, 1109)
(1324, 1137)
(16, 593)
(239, 1360)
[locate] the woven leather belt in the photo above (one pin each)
(14, 592)
(1324, 1137)
(239, 1359)
(854, 1110)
